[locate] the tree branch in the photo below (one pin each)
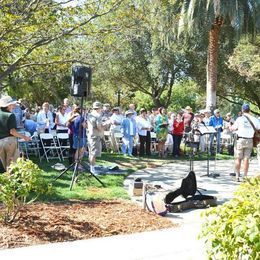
(237, 103)
(46, 41)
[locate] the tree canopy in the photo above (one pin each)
(132, 46)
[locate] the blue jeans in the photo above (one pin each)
(128, 147)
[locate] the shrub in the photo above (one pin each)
(20, 185)
(232, 230)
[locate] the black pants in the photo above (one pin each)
(176, 144)
(145, 144)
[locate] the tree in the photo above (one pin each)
(246, 59)
(139, 60)
(212, 15)
(240, 76)
(30, 26)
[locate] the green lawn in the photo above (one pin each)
(88, 188)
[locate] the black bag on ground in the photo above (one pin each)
(188, 191)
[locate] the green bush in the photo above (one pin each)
(232, 231)
(20, 185)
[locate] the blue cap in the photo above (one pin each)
(245, 107)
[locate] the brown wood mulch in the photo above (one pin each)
(42, 223)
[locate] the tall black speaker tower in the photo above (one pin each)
(81, 81)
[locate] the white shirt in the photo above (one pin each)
(62, 120)
(243, 126)
(45, 120)
(116, 119)
(142, 123)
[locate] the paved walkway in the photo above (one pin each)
(178, 243)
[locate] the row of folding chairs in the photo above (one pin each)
(52, 146)
(114, 142)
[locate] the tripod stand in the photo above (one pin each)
(207, 135)
(77, 161)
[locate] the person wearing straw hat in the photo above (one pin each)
(187, 119)
(8, 135)
(95, 134)
(128, 129)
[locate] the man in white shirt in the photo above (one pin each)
(67, 106)
(244, 144)
(95, 134)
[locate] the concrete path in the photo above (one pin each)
(178, 243)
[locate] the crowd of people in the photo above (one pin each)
(86, 128)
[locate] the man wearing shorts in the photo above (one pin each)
(8, 135)
(244, 144)
(95, 134)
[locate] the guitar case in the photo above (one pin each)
(188, 192)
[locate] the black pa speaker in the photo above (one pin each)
(81, 81)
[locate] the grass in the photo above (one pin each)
(88, 188)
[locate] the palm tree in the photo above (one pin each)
(243, 15)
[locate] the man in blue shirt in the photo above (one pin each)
(18, 112)
(29, 125)
(216, 121)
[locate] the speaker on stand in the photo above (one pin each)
(80, 87)
(81, 81)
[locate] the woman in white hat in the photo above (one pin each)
(8, 134)
(128, 129)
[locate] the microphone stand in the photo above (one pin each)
(213, 174)
(77, 161)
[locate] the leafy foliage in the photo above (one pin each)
(21, 184)
(246, 59)
(39, 40)
(232, 231)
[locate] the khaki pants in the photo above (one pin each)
(8, 151)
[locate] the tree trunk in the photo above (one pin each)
(212, 62)
(156, 101)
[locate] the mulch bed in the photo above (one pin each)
(42, 223)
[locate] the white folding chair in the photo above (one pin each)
(33, 146)
(169, 144)
(50, 147)
(63, 143)
(153, 142)
(107, 140)
(118, 140)
(23, 145)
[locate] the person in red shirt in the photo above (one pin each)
(177, 132)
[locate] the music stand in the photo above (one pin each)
(207, 131)
(77, 161)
